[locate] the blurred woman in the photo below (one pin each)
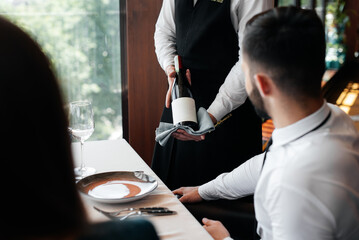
(38, 184)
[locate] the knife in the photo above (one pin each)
(162, 212)
(159, 212)
(146, 209)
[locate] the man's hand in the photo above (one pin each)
(214, 120)
(171, 75)
(215, 229)
(184, 136)
(189, 194)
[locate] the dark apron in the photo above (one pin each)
(208, 45)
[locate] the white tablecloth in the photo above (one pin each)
(118, 155)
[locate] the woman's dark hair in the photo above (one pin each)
(289, 43)
(38, 179)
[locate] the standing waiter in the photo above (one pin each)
(207, 35)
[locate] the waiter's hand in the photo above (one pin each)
(189, 194)
(215, 229)
(171, 75)
(214, 120)
(184, 136)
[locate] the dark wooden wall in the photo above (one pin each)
(145, 83)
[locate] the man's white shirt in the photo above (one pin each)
(232, 93)
(308, 187)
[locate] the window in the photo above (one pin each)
(82, 39)
(304, 4)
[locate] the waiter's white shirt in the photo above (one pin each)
(232, 92)
(309, 187)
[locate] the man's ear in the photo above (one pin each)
(264, 84)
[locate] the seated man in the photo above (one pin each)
(306, 185)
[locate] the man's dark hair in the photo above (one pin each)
(289, 43)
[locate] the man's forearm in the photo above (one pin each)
(239, 183)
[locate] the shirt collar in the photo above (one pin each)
(287, 134)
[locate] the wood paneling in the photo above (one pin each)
(146, 81)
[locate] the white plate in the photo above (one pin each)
(117, 187)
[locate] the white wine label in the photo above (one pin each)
(184, 109)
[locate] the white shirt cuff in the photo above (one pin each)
(217, 110)
(228, 238)
(166, 63)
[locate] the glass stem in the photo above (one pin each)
(82, 166)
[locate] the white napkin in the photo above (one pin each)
(164, 130)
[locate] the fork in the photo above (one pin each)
(148, 213)
(131, 210)
(139, 213)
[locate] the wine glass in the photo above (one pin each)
(81, 127)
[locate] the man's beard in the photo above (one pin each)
(258, 103)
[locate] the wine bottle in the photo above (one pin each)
(183, 104)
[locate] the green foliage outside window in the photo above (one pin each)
(83, 41)
(336, 22)
(304, 3)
